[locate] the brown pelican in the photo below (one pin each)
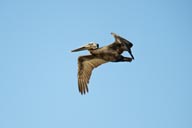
(98, 56)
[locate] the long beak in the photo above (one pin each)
(80, 49)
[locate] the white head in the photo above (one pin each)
(89, 46)
(92, 45)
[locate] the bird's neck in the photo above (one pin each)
(93, 51)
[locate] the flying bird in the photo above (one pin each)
(98, 56)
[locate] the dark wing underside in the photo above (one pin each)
(127, 44)
(120, 39)
(85, 66)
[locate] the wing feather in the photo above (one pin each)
(120, 39)
(85, 66)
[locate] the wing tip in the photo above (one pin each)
(83, 88)
(113, 34)
(83, 92)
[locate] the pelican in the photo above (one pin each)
(98, 56)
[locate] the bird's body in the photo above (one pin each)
(98, 56)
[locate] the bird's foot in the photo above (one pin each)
(128, 59)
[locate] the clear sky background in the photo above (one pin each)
(38, 73)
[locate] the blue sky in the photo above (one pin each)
(38, 73)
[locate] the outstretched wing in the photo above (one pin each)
(121, 40)
(85, 66)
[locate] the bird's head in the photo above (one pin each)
(89, 46)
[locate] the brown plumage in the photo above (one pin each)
(110, 53)
(85, 66)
